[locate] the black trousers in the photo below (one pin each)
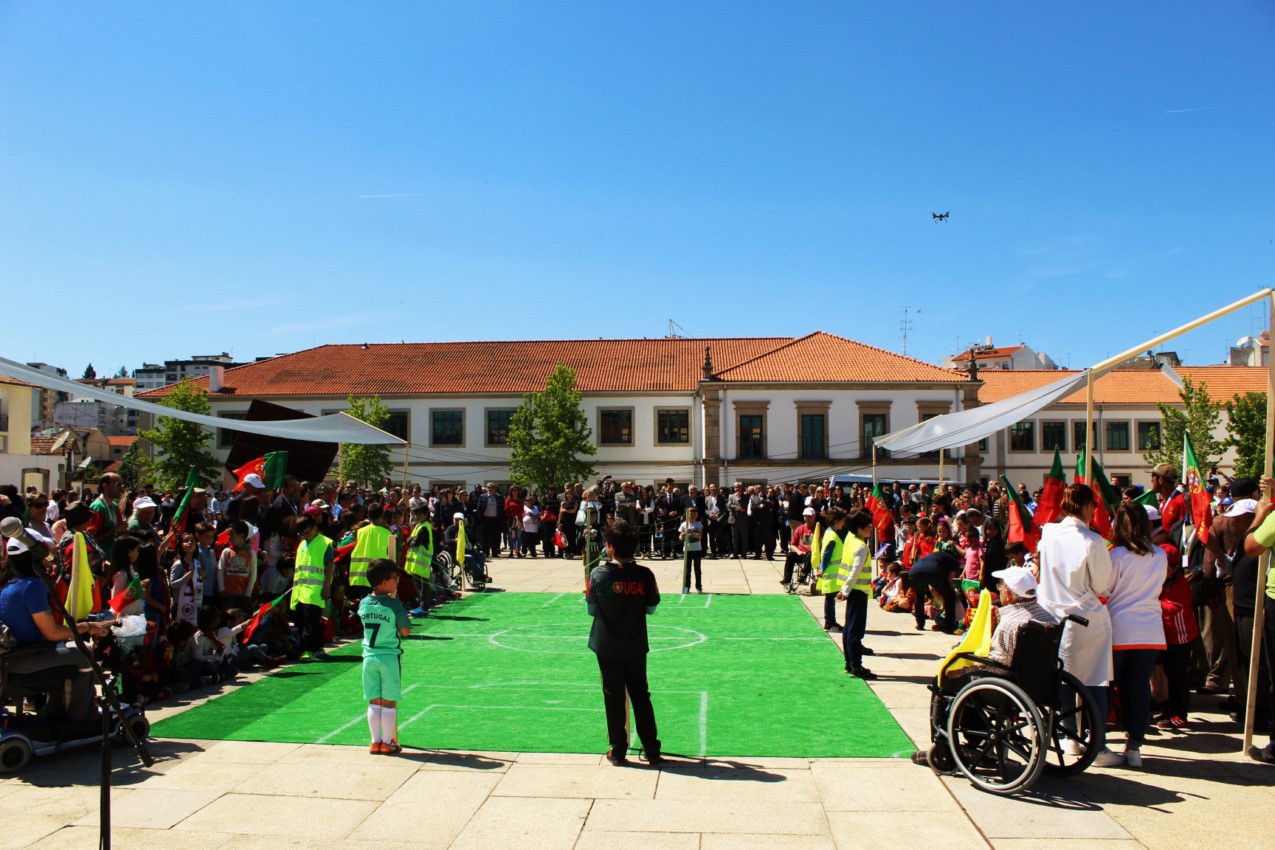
(855, 628)
(309, 621)
(621, 675)
(492, 527)
(922, 583)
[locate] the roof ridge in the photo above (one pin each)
(791, 342)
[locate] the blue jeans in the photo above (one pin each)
(1133, 677)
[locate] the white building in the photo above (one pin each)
(989, 356)
(696, 410)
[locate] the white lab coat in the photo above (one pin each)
(1075, 569)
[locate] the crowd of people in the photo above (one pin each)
(199, 577)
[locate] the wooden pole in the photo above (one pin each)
(407, 450)
(1089, 432)
(1259, 608)
(874, 464)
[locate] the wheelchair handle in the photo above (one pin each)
(1076, 618)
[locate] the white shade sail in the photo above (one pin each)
(333, 428)
(953, 430)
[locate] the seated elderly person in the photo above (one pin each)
(1018, 607)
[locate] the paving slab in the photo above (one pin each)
(593, 782)
(738, 785)
(375, 779)
(152, 808)
(83, 837)
(459, 760)
(285, 816)
(591, 839)
(19, 832)
(68, 804)
(1064, 844)
(435, 805)
(892, 786)
(561, 758)
(542, 823)
(686, 816)
(717, 841)
(197, 774)
(248, 752)
(1051, 808)
(872, 831)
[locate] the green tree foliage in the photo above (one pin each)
(181, 446)
(132, 468)
(1247, 417)
(549, 438)
(89, 371)
(368, 465)
(1200, 415)
(122, 373)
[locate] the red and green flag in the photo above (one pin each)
(1021, 527)
(1049, 505)
(882, 518)
(261, 615)
(127, 596)
(1106, 496)
(270, 467)
(183, 507)
(1197, 494)
(1149, 499)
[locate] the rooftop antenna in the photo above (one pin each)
(906, 325)
(672, 334)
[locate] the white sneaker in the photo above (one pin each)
(1071, 747)
(1106, 758)
(1133, 758)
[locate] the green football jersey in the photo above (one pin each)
(382, 618)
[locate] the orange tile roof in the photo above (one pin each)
(121, 441)
(5, 379)
(1119, 386)
(987, 353)
(469, 368)
(1226, 382)
(821, 357)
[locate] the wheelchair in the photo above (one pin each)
(31, 716)
(1002, 727)
(445, 565)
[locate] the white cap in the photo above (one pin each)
(1242, 506)
(1019, 580)
(808, 512)
(143, 503)
(458, 515)
(1153, 513)
(252, 479)
(16, 546)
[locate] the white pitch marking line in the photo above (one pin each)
(703, 723)
(418, 715)
(553, 600)
(708, 600)
(341, 728)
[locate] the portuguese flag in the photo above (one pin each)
(1021, 528)
(127, 596)
(183, 507)
(271, 468)
(1049, 505)
(261, 615)
(882, 518)
(1197, 494)
(1149, 499)
(1107, 497)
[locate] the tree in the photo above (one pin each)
(549, 437)
(132, 468)
(368, 465)
(89, 372)
(122, 373)
(1200, 415)
(181, 446)
(1246, 415)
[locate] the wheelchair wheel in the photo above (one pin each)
(1076, 733)
(140, 727)
(15, 755)
(997, 736)
(939, 758)
(447, 566)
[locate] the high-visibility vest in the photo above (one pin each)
(831, 581)
(852, 547)
(420, 558)
(372, 542)
(307, 581)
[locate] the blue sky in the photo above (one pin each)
(263, 177)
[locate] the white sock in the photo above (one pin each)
(389, 724)
(374, 723)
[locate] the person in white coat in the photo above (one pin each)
(1075, 571)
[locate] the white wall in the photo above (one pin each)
(12, 468)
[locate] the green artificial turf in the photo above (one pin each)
(729, 675)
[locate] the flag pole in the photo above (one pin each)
(1259, 609)
(1089, 431)
(874, 464)
(407, 450)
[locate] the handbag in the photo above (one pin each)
(559, 540)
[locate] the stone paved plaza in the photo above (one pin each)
(1194, 789)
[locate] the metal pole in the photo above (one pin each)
(1089, 431)
(407, 450)
(1259, 608)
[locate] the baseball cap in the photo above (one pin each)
(1153, 513)
(458, 515)
(808, 512)
(1019, 580)
(253, 480)
(143, 503)
(16, 546)
(1239, 507)
(1166, 470)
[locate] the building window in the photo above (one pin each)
(1078, 435)
(446, 428)
(1117, 436)
(1148, 436)
(399, 424)
(751, 434)
(814, 435)
(874, 425)
(673, 427)
(225, 436)
(1022, 437)
(498, 427)
(1053, 435)
(615, 426)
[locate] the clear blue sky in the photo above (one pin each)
(262, 177)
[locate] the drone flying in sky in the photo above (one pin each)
(943, 216)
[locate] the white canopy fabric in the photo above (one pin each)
(333, 428)
(952, 430)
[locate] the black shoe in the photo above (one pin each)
(866, 651)
(834, 630)
(861, 672)
(616, 758)
(653, 758)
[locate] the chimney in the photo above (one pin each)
(708, 364)
(989, 342)
(216, 378)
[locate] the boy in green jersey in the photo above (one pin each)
(385, 622)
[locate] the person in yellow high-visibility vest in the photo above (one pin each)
(856, 587)
(372, 541)
(829, 567)
(419, 563)
(311, 585)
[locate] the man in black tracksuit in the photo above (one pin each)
(620, 594)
